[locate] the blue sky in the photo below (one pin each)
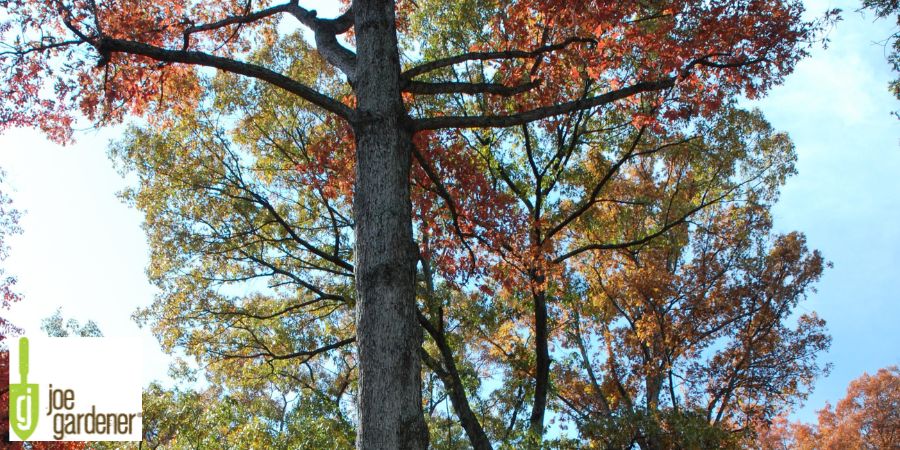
(846, 197)
(83, 250)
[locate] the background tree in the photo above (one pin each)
(867, 418)
(639, 215)
(56, 326)
(213, 418)
(108, 59)
(9, 225)
(718, 352)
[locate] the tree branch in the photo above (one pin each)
(618, 245)
(107, 45)
(299, 354)
(449, 375)
(325, 32)
(449, 87)
(235, 20)
(503, 121)
(487, 56)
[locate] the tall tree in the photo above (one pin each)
(236, 285)
(111, 58)
(648, 215)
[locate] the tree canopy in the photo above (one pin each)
(667, 297)
(537, 199)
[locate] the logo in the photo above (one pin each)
(75, 389)
(23, 398)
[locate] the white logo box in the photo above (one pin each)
(103, 374)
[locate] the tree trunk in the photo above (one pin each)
(388, 334)
(542, 353)
(449, 375)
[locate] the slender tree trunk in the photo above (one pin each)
(449, 375)
(388, 334)
(542, 353)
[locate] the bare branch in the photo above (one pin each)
(324, 31)
(262, 201)
(241, 19)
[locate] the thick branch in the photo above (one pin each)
(325, 32)
(107, 45)
(502, 121)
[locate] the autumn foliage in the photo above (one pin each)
(590, 208)
(867, 418)
(119, 63)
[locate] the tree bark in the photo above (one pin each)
(388, 333)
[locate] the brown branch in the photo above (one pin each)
(37, 48)
(235, 20)
(586, 363)
(244, 313)
(595, 193)
(442, 192)
(262, 201)
(324, 31)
